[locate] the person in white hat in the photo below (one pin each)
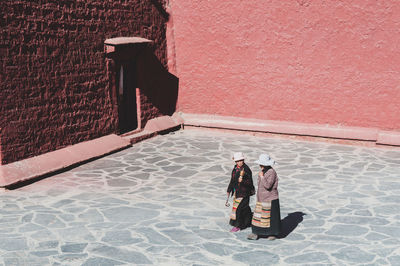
(266, 220)
(241, 187)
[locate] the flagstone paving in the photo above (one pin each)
(162, 202)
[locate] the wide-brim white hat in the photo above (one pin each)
(265, 160)
(238, 156)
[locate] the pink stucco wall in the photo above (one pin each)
(323, 62)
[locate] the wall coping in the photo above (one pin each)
(126, 40)
(118, 43)
(51, 162)
(292, 128)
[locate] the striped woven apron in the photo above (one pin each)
(236, 202)
(262, 215)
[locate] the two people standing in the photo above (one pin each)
(266, 220)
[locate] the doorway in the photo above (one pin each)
(126, 94)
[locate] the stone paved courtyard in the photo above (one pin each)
(162, 202)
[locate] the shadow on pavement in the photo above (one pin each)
(290, 222)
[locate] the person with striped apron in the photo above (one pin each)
(266, 220)
(241, 188)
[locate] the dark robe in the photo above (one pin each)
(241, 214)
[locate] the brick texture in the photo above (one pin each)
(54, 83)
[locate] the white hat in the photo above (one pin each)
(265, 160)
(238, 156)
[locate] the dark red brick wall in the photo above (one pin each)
(54, 88)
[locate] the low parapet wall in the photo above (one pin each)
(50, 162)
(36, 167)
(291, 128)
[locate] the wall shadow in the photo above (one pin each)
(156, 83)
(290, 222)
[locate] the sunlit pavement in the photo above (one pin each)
(162, 202)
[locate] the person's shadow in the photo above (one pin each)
(290, 222)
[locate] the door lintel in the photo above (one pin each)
(125, 47)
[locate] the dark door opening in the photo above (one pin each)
(127, 107)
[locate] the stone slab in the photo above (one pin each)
(126, 208)
(154, 127)
(161, 123)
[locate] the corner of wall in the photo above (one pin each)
(1, 152)
(170, 35)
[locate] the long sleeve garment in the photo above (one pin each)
(244, 188)
(268, 186)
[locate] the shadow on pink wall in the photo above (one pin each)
(140, 85)
(158, 87)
